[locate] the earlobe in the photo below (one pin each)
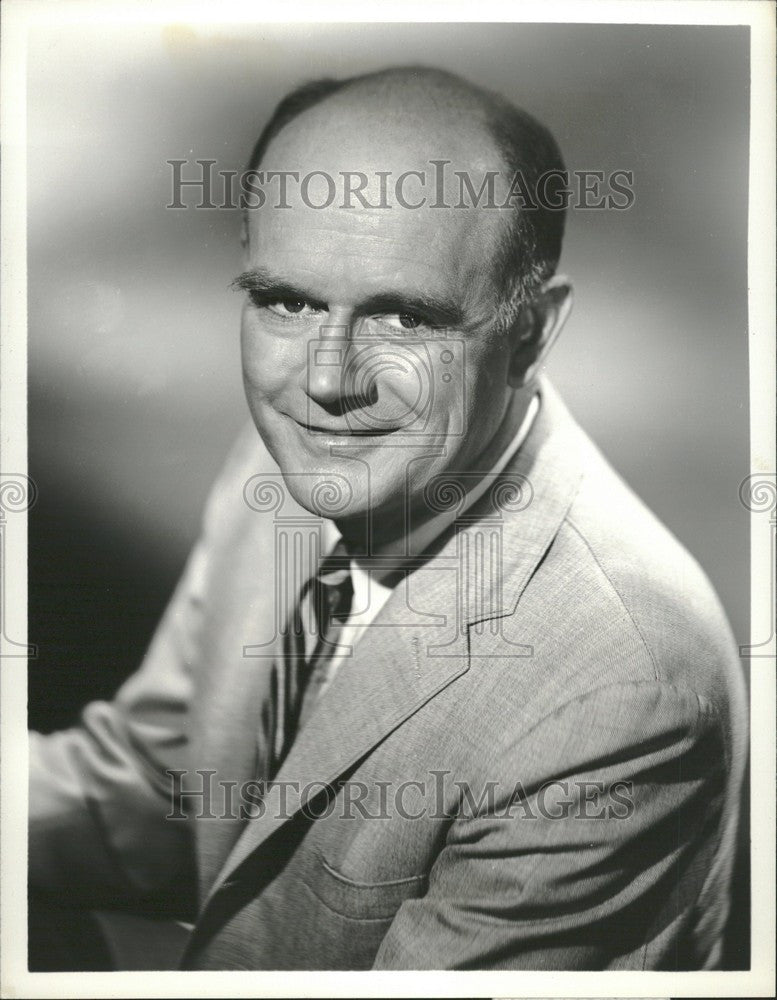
(537, 327)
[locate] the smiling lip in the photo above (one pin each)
(344, 431)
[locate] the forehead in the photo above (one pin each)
(358, 250)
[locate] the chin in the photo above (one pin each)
(331, 492)
(325, 491)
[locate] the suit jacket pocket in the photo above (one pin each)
(363, 900)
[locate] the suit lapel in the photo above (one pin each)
(372, 693)
(419, 643)
(527, 504)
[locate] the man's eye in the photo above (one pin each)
(289, 307)
(284, 308)
(402, 321)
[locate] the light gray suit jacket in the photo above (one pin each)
(531, 760)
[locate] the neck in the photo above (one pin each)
(380, 529)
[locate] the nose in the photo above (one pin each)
(326, 364)
(329, 379)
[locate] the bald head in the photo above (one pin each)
(401, 119)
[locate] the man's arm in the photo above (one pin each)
(555, 882)
(99, 793)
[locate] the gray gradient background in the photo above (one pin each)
(135, 386)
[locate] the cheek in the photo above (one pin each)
(484, 378)
(270, 363)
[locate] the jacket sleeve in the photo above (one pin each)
(594, 857)
(98, 793)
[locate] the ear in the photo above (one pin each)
(538, 324)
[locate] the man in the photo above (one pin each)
(435, 690)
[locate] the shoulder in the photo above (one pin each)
(617, 599)
(637, 567)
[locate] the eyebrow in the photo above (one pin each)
(261, 280)
(437, 311)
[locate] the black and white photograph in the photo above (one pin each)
(387, 509)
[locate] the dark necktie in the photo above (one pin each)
(331, 595)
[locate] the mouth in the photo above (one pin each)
(343, 432)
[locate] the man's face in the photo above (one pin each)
(368, 341)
